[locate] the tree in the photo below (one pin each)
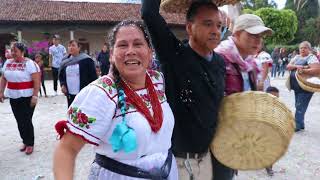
(305, 9)
(257, 4)
(284, 23)
(311, 31)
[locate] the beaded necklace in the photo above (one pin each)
(155, 120)
(124, 137)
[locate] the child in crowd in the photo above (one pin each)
(274, 91)
(39, 61)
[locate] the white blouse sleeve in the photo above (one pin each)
(90, 114)
(265, 57)
(32, 67)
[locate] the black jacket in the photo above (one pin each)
(87, 73)
(194, 85)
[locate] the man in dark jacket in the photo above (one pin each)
(103, 59)
(194, 78)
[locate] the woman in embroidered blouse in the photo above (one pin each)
(21, 75)
(125, 114)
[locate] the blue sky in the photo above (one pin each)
(280, 3)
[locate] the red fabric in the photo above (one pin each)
(61, 128)
(233, 79)
(155, 122)
(20, 85)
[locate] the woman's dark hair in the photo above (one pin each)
(140, 25)
(195, 6)
(22, 47)
(74, 41)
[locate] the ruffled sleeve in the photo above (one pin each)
(90, 114)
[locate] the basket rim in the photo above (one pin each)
(300, 78)
(305, 86)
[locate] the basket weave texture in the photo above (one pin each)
(304, 84)
(181, 6)
(254, 131)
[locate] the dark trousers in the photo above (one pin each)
(274, 70)
(70, 99)
(302, 100)
(55, 78)
(23, 113)
(220, 171)
(43, 87)
(282, 69)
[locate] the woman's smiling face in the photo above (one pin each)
(131, 53)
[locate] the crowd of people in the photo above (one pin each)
(147, 124)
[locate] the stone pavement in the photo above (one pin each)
(302, 161)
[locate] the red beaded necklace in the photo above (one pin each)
(155, 121)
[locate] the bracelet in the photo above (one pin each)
(36, 97)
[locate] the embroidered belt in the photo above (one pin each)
(132, 171)
(20, 85)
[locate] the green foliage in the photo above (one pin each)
(284, 23)
(257, 4)
(311, 31)
(305, 9)
(247, 11)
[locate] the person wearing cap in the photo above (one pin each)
(239, 50)
(194, 82)
(56, 54)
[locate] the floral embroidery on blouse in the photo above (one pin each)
(79, 118)
(107, 84)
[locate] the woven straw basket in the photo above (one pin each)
(181, 6)
(305, 84)
(254, 131)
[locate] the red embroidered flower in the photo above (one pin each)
(70, 111)
(82, 118)
(107, 81)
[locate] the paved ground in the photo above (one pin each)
(302, 162)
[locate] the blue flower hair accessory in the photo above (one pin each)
(123, 137)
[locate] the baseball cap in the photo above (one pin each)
(252, 24)
(56, 36)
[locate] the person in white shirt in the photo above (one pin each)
(76, 71)
(21, 77)
(264, 62)
(56, 54)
